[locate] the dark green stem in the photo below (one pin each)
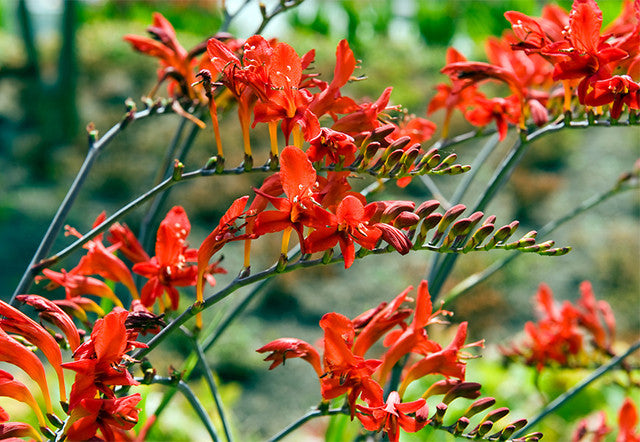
(159, 199)
(307, 417)
(61, 215)
(562, 399)
(213, 388)
(475, 279)
(193, 400)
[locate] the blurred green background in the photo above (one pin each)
(64, 64)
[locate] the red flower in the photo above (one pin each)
(98, 360)
(223, 233)
(345, 372)
(107, 415)
(100, 260)
(120, 235)
(350, 224)
(332, 146)
(392, 415)
(54, 314)
(502, 110)
(628, 421)
(414, 338)
(77, 285)
(16, 322)
(15, 353)
(373, 324)
(284, 348)
(447, 362)
(284, 100)
(299, 208)
(176, 62)
(586, 54)
(9, 387)
(365, 118)
(615, 91)
(330, 100)
(170, 267)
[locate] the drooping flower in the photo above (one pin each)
(54, 314)
(285, 348)
(344, 372)
(177, 64)
(414, 338)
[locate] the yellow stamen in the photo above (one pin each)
(245, 118)
(285, 240)
(568, 92)
(273, 135)
(247, 253)
(298, 139)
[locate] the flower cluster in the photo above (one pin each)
(544, 59)
(561, 332)
(172, 266)
(98, 362)
(344, 369)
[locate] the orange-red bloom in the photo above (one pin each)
(98, 360)
(392, 415)
(170, 267)
(110, 416)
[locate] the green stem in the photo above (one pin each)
(440, 272)
(193, 400)
(283, 6)
(60, 217)
(479, 160)
(464, 185)
(560, 400)
(159, 199)
(213, 388)
(307, 417)
(475, 279)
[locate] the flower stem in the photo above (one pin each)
(95, 147)
(307, 417)
(475, 279)
(193, 400)
(213, 388)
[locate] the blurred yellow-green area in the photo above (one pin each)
(63, 65)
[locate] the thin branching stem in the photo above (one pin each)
(95, 147)
(304, 419)
(211, 383)
(475, 279)
(283, 6)
(563, 398)
(183, 387)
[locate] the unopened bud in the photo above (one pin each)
(469, 390)
(479, 406)
(461, 424)
(282, 263)
(438, 417)
(426, 208)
